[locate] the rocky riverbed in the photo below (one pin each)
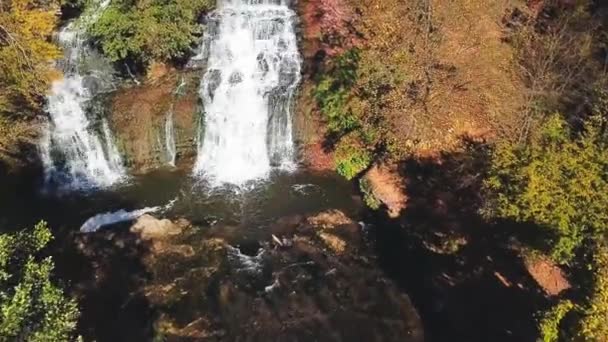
(314, 278)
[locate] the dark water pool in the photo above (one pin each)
(248, 209)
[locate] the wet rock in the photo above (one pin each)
(202, 288)
(198, 329)
(215, 79)
(335, 243)
(161, 247)
(149, 228)
(287, 226)
(235, 78)
(138, 116)
(337, 231)
(330, 219)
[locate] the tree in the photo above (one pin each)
(557, 182)
(26, 53)
(32, 307)
(145, 31)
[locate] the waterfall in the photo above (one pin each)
(74, 150)
(170, 139)
(253, 68)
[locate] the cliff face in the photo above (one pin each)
(138, 116)
(310, 126)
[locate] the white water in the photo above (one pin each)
(253, 68)
(170, 139)
(98, 221)
(246, 263)
(72, 149)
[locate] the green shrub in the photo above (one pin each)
(369, 198)
(352, 160)
(332, 93)
(594, 325)
(352, 98)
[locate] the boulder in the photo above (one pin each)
(150, 228)
(387, 186)
(336, 231)
(549, 276)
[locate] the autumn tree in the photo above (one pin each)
(26, 54)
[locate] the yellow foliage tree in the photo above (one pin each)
(26, 53)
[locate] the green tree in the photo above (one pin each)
(145, 31)
(557, 182)
(594, 325)
(32, 308)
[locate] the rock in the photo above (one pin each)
(335, 243)
(198, 329)
(149, 228)
(335, 230)
(138, 116)
(160, 247)
(157, 71)
(547, 274)
(387, 186)
(330, 219)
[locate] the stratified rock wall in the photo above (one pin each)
(138, 118)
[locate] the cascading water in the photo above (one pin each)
(253, 68)
(170, 139)
(73, 150)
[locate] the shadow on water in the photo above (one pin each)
(104, 282)
(463, 273)
(107, 274)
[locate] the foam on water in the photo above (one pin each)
(99, 221)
